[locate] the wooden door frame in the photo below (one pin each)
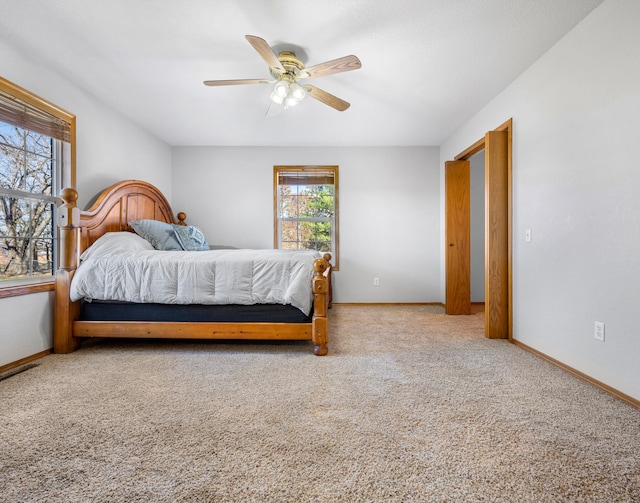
(466, 155)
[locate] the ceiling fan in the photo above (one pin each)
(289, 74)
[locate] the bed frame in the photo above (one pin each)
(112, 211)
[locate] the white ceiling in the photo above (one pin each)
(427, 65)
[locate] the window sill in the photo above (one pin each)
(15, 291)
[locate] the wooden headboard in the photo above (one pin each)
(112, 211)
(121, 203)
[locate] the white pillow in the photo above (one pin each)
(116, 242)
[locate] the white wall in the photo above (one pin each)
(576, 185)
(109, 148)
(389, 211)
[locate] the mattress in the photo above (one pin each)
(121, 266)
(233, 313)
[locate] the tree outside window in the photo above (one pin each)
(306, 202)
(26, 205)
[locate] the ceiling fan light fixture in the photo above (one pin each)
(297, 92)
(280, 92)
(287, 93)
(281, 88)
(290, 102)
(276, 98)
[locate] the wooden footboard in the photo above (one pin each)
(112, 211)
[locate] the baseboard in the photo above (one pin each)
(439, 304)
(27, 359)
(576, 373)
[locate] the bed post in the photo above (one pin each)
(327, 257)
(321, 301)
(65, 311)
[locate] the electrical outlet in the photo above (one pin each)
(598, 333)
(376, 281)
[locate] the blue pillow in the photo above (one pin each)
(160, 234)
(190, 237)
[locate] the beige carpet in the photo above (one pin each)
(410, 405)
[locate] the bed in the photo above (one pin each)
(253, 317)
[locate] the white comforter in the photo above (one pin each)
(120, 266)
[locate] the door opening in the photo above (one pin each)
(498, 209)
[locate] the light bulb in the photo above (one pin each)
(276, 98)
(297, 92)
(290, 102)
(281, 88)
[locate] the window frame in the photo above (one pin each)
(67, 178)
(310, 171)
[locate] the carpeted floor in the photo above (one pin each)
(410, 405)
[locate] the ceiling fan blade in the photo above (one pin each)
(327, 98)
(260, 45)
(235, 82)
(274, 110)
(344, 64)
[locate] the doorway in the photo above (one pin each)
(497, 281)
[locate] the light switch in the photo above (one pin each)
(527, 235)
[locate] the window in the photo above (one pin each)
(36, 150)
(306, 208)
